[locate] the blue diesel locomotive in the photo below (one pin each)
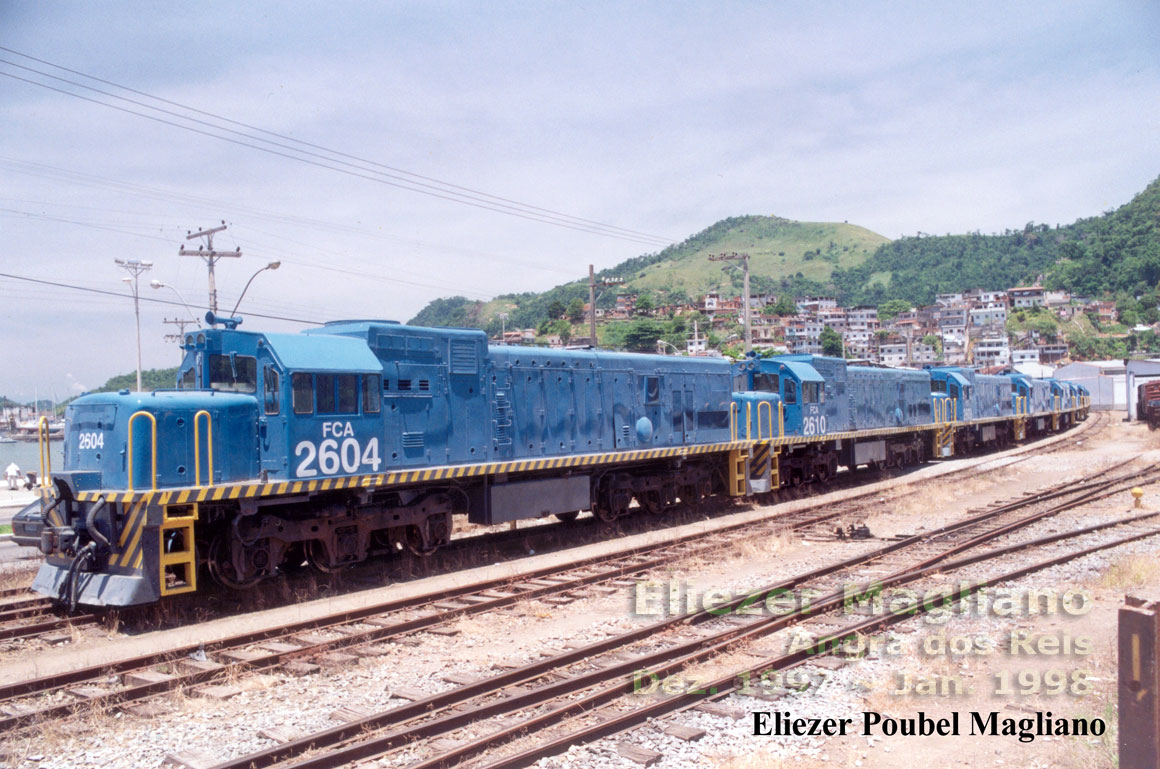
(366, 438)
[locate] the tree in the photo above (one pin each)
(785, 307)
(891, 308)
(576, 310)
(832, 342)
(643, 334)
(556, 309)
(645, 303)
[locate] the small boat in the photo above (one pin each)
(6, 439)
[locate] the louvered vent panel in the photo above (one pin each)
(463, 358)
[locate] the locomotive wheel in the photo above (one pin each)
(221, 567)
(614, 505)
(690, 495)
(317, 558)
(415, 544)
(567, 517)
(651, 502)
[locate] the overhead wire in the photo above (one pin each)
(315, 159)
(154, 300)
(322, 148)
(155, 193)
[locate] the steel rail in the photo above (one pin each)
(357, 729)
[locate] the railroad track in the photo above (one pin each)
(30, 702)
(31, 618)
(586, 689)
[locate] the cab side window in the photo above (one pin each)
(271, 391)
(303, 393)
(371, 393)
(790, 392)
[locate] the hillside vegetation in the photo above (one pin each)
(785, 256)
(1116, 253)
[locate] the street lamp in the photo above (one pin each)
(156, 284)
(503, 316)
(135, 268)
(676, 350)
(270, 266)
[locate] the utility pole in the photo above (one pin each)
(181, 323)
(744, 259)
(135, 268)
(592, 284)
(210, 256)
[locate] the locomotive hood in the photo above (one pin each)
(155, 435)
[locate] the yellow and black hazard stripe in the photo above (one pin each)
(256, 489)
(130, 545)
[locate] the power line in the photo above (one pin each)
(145, 298)
(309, 144)
(445, 192)
(216, 205)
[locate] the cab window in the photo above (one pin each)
(810, 392)
(765, 383)
(270, 389)
(233, 373)
(336, 393)
(188, 379)
(371, 393)
(790, 392)
(302, 386)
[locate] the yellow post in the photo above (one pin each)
(733, 411)
(748, 419)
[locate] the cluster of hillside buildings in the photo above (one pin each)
(960, 328)
(967, 327)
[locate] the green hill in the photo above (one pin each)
(1116, 253)
(785, 256)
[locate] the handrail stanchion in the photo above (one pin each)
(197, 448)
(734, 409)
(748, 420)
(780, 419)
(769, 418)
(153, 441)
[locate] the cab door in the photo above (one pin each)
(272, 421)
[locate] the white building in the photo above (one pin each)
(992, 352)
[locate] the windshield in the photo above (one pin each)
(233, 373)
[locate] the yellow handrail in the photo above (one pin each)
(748, 419)
(44, 441)
(197, 448)
(780, 419)
(769, 418)
(733, 410)
(954, 410)
(153, 441)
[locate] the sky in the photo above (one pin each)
(387, 154)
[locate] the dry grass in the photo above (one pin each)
(17, 575)
(1131, 571)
